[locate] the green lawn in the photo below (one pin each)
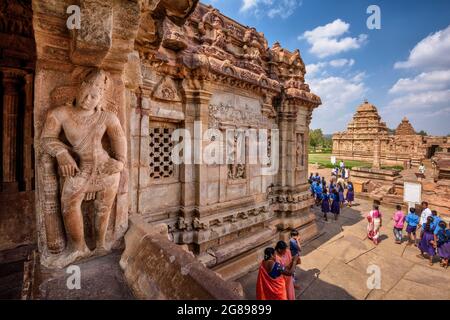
(324, 159)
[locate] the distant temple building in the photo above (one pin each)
(404, 147)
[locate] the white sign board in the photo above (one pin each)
(333, 160)
(412, 192)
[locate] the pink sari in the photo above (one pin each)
(286, 261)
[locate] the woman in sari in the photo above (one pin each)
(374, 224)
(284, 257)
(271, 284)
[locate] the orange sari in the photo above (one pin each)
(268, 288)
(286, 261)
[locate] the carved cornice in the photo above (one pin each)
(218, 49)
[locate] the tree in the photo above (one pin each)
(315, 138)
(423, 133)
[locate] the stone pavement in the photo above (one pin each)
(334, 265)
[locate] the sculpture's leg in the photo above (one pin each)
(71, 200)
(103, 205)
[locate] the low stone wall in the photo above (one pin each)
(157, 269)
(381, 175)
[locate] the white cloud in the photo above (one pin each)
(342, 63)
(435, 80)
(339, 97)
(432, 53)
(337, 92)
(427, 94)
(429, 100)
(270, 8)
(328, 40)
(315, 68)
(248, 4)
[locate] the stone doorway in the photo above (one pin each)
(432, 151)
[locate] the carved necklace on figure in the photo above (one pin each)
(82, 120)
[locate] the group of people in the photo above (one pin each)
(434, 233)
(341, 171)
(276, 276)
(331, 197)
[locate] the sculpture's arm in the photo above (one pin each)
(50, 136)
(118, 140)
(53, 146)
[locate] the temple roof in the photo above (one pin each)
(367, 107)
(405, 128)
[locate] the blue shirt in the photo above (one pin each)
(435, 223)
(293, 246)
(318, 189)
(277, 270)
(443, 236)
(412, 220)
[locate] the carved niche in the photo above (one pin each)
(82, 153)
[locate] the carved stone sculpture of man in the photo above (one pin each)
(88, 171)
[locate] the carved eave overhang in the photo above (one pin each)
(303, 97)
(203, 67)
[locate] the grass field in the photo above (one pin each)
(324, 160)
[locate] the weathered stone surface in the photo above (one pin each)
(156, 268)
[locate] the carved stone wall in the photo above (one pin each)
(213, 73)
(64, 58)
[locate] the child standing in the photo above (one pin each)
(325, 204)
(442, 239)
(412, 221)
(350, 193)
(426, 244)
(295, 248)
(335, 207)
(341, 195)
(399, 220)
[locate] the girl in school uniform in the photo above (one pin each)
(325, 204)
(350, 193)
(442, 239)
(335, 207)
(426, 244)
(341, 195)
(412, 221)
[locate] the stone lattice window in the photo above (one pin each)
(161, 145)
(269, 147)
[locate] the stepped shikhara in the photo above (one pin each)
(405, 147)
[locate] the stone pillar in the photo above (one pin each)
(198, 106)
(376, 154)
(11, 101)
(287, 147)
(28, 169)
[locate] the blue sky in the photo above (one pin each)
(404, 68)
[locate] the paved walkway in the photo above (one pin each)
(334, 266)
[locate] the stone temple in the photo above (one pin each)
(89, 118)
(403, 148)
